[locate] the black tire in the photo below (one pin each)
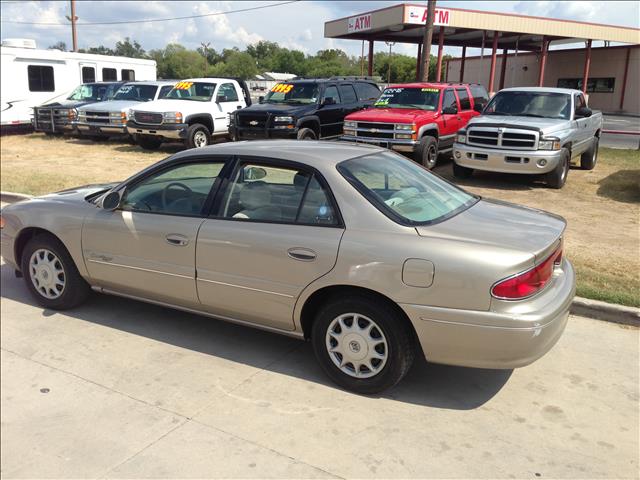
(306, 134)
(558, 176)
(148, 142)
(399, 339)
(198, 136)
(427, 152)
(461, 172)
(589, 158)
(75, 289)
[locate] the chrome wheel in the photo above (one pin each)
(200, 139)
(47, 273)
(356, 345)
(431, 157)
(565, 170)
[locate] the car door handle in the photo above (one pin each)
(303, 254)
(177, 240)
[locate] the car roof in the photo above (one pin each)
(160, 83)
(541, 89)
(438, 85)
(314, 153)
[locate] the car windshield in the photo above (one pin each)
(300, 93)
(403, 97)
(403, 190)
(92, 91)
(530, 104)
(196, 91)
(136, 92)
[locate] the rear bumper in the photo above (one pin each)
(175, 131)
(512, 338)
(506, 161)
(399, 145)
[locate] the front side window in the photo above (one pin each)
(227, 93)
(580, 102)
(331, 92)
(88, 74)
(404, 191)
(449, 100)
(530, 104)
(164, 91)
(136, 92)
(181, 190)
(109, 74)
(463, 96)
(196, 91)
(293, 93)
(276, 194)
(410, 98)
(40, 79)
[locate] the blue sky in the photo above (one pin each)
(298, 25)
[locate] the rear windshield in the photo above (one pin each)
(197, 91)
(530, 104)
(401, 97)
(136, 92)
(403, 190)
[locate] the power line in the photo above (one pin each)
(153, 19)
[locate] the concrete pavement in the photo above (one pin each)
(619, 122)
(118, 388)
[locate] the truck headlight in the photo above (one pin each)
(283, 119)
(118, 117)
(72, 113)
(405, 126)
(549, 143)
(172, 117)
(461, 137)
(349, 124)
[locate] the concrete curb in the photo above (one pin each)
(11, 197)
(606, 311)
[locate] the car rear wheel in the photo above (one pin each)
(461, 172)
(362, 343)
(427, 152)
(198, 136)
(148, 142)
(51, 275)
(306, 134)
(558, 176)
(589, 158)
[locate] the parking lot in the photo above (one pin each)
(122, 389)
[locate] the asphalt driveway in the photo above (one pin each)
(118, 388)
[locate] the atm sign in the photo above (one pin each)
(359, 23)
(418, 15)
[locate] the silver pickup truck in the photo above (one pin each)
(532, 130)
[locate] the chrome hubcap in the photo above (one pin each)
(432, 155)
(356, 345)
(200, 139)
(47, 274)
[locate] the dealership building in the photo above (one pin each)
(516, 50)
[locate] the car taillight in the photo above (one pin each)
(527, 283)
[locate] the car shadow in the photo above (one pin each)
(622, 186)
(428, 385)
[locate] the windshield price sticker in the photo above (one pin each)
(282, 88)
(434, 90)
(382, 101)
(126, 89)
(388, 91)
(183, 85)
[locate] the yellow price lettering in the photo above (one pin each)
(183, 85)
(282, 88)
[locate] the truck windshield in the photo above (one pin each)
(403, 97)
(404, 191)
(530, 104)
(92, 91)
(196, 91)
(136, 92)
(300, 93)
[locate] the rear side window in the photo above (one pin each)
(367, 91)
(479, 95)
(109, 74)
(128, 74)
(40, 78)
(88, 74)
(347, 93)
(463, 96)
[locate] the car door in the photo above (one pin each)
(450, 121)
(583, 132)
(465, 113)
(227, 101)
(146, 247)
(330, 112)
(275, 230)
(349, 99)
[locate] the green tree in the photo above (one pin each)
(264, 53)
(59, 46)
(101, 50)
(175, 61)
(237, 64)
(128, 48)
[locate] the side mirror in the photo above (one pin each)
(450, 110)
(583, 112)
(478, 107)
(112, 200)
(255, 173)
(329, 101)
(261, 99)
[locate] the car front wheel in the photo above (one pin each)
(363, 344)
(427, 152)
(198, 136)
(558, 176)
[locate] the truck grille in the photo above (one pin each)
(378, 126)
(148, 118)
(374, 130)
(47, 119)
(252, 120)
(97, 117)
(502, 138)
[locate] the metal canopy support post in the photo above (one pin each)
(503, 68)
(440, 48)
(624, 79)
(370, 59)
(464, 54)
(543, 60)
(492, 74)
(587, 64)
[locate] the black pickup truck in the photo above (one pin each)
(304, 109)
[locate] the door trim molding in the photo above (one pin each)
(245, 288)
(140, 269)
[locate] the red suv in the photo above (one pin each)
(421, 118)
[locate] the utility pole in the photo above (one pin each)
(73, 19)
(362, 60)
(206, 59)
(391, 44)
(426, 40)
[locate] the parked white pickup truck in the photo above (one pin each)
(533, 130)
(194, 111)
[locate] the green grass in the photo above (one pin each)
(606, 286)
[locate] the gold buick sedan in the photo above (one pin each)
(371, 257)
